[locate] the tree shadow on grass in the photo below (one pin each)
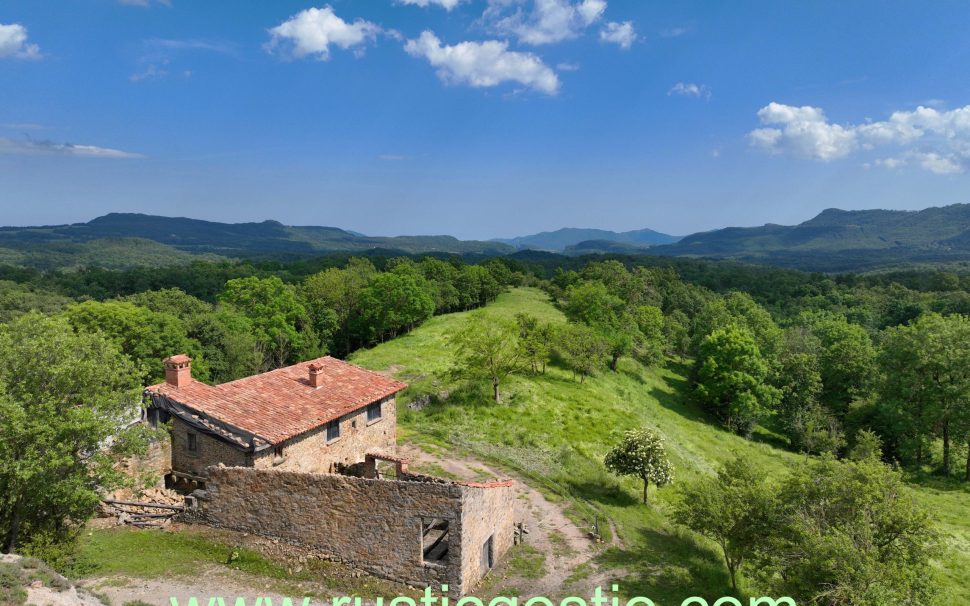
(604, 491)
(669, 567)
(934, 481)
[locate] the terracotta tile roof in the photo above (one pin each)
(281, 404)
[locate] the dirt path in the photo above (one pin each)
(568, 550)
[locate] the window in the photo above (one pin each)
(333, 430)
(374, 412)
(488, 555)
(193, 443)
(434, 540)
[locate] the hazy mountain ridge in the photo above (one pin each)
(562, 239)
(839, 240)
(237, 239)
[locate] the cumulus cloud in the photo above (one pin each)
(34, 147)
(483, 64)
(935, 140)
(622, 34)
(547, 22)
(13, 43)
(690, 89)
(314, 30)
(445, 4)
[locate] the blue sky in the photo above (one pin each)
(481, 118)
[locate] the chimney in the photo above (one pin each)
(316, 375)
(178, 370)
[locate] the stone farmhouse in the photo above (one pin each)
(307, 454)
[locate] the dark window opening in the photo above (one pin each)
(374, 412)
(193, 443)
(333, 430)
(434, 540)
(488, 556)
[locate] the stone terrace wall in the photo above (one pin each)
(373, 524)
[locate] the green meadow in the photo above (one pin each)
(553, 432)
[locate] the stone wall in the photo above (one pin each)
(375, 525)
(154, 464)
(486, 513)
(209, 450)
(309, 452)
(312, 453)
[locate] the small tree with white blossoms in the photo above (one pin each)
(641, 454)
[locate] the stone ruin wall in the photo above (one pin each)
(371, 524)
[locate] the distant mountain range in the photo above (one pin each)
(840, 240)
(588, 240)
(834, 241)
(233, 239)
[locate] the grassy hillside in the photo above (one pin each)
(555, 431)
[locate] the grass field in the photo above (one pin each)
(554, 432)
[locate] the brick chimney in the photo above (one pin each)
(178, 370)
(316, 375)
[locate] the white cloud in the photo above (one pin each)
(151, 72)
(22, 126)
(937, 141)
(622, 34)
(483, 64)
(674, 32)
(690, 89)
(170, 44)
(549, 21)
(13, 43)
(568, 67)
(445, 4)
(33, 147)
(314, 30)
(144, 3)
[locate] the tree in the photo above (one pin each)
(849, 534)
(926, 378)
(535, 339)
(742, 310)
(809, 426)
(338, 290)
(488, 348)
(737, 510)
(846, 363)
(867, 446)
(731, 379)
(146, 336)
(650, 341)
(279, 319)
(393, 302)
(582, 349)
(677, 333)
(642, 454)
(63, 394)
